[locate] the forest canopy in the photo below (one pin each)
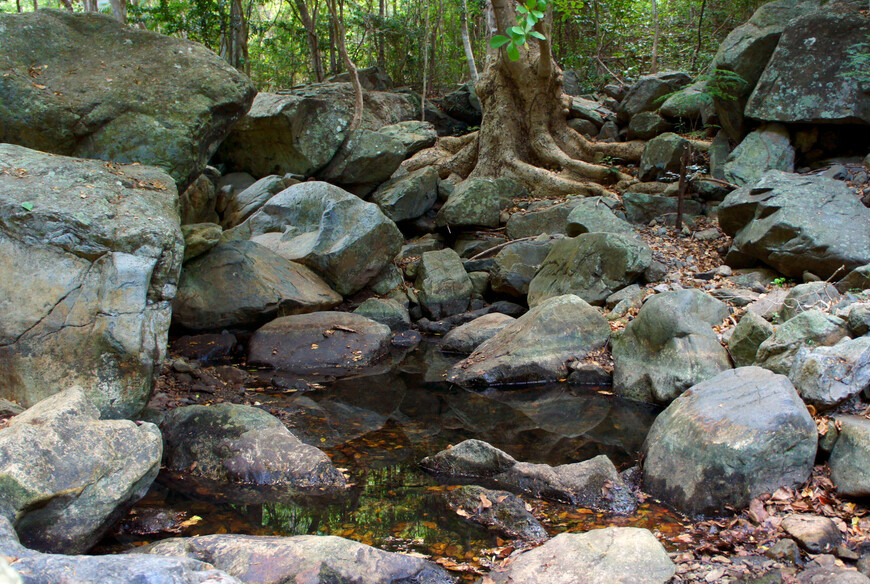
(274, 41)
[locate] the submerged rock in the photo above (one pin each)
(727, 440)
(159, 100)
(497, 511)
(236, 444)
(67, 476)
(537, 347)
(615, 555)
(333, 343)
(87, 277)
(669, 346)
(242, 283)
(310, 559)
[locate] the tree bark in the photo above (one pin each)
(309, 22)
(379, 37)
(524, 133)
(466, 42)
(698, 47)
(425, 65)
(339, 33)
(119, 10)
(654, 65)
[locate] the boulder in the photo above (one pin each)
(241, 283)
(537, 347)
(812, 295)
(647, 125)
(199, 202)
(850, 460)
(337, 343)
(308, 559)
(370, 78)
(669, 347)
(594, 214)
(497, 511)
(444, 286)
(593, 483)
(767, 148)
(814, 533)
(614, 555)
(541, 217)
(661, 155)
(408, 196)
(232, 444)
(859, 320)
(368, 159)
(300, 131)
(589, 110)
(857, 279)
(479, 202)
(68, 476)
(750, 332)
(812, 327)
(90, 256)
(344, 239)
(414, 134)
(248, 201)
(466, 338)
(643, 208)
(516, 264)
(810, 77)
(385, 311)
(592, 266)
(159, 101)
(827, 376)
(796, 223)
(693, 102)
(585, 127)
(200, 238)
(463, 105)
(727, 440)
(646, 94)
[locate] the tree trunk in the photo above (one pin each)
(18, 5)
(698, 47)
(654, 65)
(524, 134)
(425, 65)
(466, 42)
(309, 22)
(35, 5)
(339, 33)
(119, 10)
(379, 38)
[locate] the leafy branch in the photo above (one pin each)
(528, 15)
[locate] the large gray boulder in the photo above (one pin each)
(239, 206)
(367, 159)
(66, 476)
(592, 266)
(796, 223)
(308, 559)
(136, 96)
(300, 131)
(541, 217)
(537, 347)
(811, 77)
(408, 196)
(242, 445)
(812, 295)
(727, 440)
(514, 267)
(341, 237)
(643, 208)
(333, 343)
(478, 202)
(669, 347)
(614, 555)
(444, 286)
(592, 215)
(812, 327)
(767, 148)
(850, 460)
(242, 283)
(89, 258)
(413, 134)
(646, 93)
(750, 332)
(661, 155)
(466, 338)
(826, 376)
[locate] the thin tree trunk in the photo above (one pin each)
(18, 5)
(35, 5)
(654, 65)
(681, 192)
(698, 47)
(119, 10)
(466, 42)
(382, 14)
(339, 34)
(309, 22)
(425, 64)
(66, 4)
(333, 60)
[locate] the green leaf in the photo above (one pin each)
(538, 14)
(531, 4)
(513, 52)
(498, 41)
(522, 9)
(517, 34)
(537, 35)
(542, 5)
(28, 206)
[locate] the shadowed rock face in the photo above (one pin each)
(86, 277)
(132, 96)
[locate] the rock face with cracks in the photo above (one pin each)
(727, 440)
(88, 273)
(135, 96)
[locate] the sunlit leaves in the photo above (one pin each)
(528, 16)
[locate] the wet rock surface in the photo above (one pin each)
(498, 511)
